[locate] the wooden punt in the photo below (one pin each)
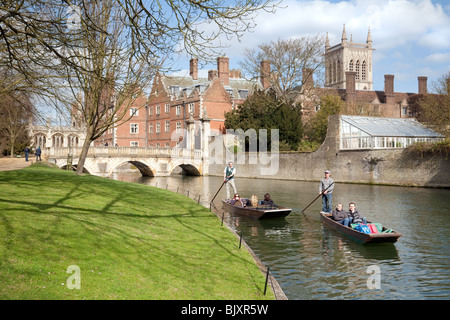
(258, 212)
(357, 236)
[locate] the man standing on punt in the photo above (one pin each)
(228, 176)
(326, 189)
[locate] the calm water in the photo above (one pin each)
(311, 261)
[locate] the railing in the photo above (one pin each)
(125, 152)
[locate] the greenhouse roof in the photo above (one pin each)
(390, 127)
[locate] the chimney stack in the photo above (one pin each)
(422, 85)
(350, 86)
(307, 78)
(389, 88)
(223, 70)
(447, 82)
(212, 74)
(265, 73)
(193, 68)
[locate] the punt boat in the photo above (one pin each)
(361, 237)
(257, 212)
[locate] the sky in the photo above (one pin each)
(411, 37)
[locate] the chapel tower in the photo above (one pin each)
(349, 56)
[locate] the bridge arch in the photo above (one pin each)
(186, 169)
(143, 168)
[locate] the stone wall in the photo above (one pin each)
(390, 166)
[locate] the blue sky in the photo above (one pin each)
(411, 37)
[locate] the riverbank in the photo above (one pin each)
(127, 241)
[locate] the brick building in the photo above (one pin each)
(176, 101)
(130, 133)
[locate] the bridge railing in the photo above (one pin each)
(125, 152)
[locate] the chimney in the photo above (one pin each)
(265, 73)
(422, 85)
(447, 82)
(212, 74)
(235, 73)
(389, 88)
(193, 68)
(350, 86)
(307, 78)
(223, 70)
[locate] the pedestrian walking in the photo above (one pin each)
(27, 153)
(38, 154)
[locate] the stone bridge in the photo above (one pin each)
(102, 161)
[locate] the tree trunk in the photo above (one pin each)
(84, 151)
(13, 140)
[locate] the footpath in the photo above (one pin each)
(7, 164)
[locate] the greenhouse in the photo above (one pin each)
(358, 132)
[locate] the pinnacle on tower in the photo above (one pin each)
(344, 36)
(369, 39)
(327, 43)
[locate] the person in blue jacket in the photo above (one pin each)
(27, 152)
(38, 154)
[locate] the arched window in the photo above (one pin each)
(350, 66)
(39, 140)
(72, 141)
(57, 141)
(334, 71)
(339, 71)
(328, 73)
(363, 71)
(357, 70)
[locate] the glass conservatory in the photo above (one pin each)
(358, 132)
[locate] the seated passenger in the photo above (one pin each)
(354, 215)
(253, 201)
(237, 201)
(267, 200)
(340, 215)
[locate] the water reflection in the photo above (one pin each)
(311, 261)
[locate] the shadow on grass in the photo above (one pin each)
(124, 223)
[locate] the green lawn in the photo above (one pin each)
(129, 241)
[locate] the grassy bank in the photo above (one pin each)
(129, 241)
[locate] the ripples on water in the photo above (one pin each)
(311, 261)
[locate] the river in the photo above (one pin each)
(310, 261)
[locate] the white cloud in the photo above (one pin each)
(393, 23)
(409, 31)
(438, 57)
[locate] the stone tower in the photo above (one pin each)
(349, 56)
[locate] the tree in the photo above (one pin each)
(102, 53)
(263, 110)
(316, 128)
(434, 108)
(292, 64)
(15, 112)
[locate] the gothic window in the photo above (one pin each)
(329, 73)
(363, 71)
(339, 70)
(357, 70)
(58, 141)
(350, 66)
(334, 71)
